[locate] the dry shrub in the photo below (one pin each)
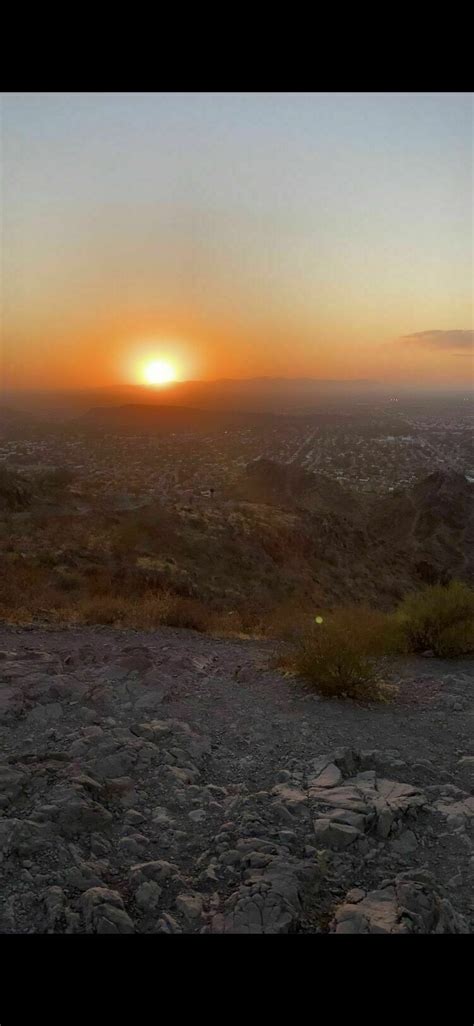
(187, 612)
(288, 621)
(24, 589)
(439, 618)
(345, 655)
(232, 624)
(155, 609)
(101, 609)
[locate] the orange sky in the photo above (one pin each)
(236, 235)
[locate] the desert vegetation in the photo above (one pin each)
(439, 619)
(248, 569)
(344, 653)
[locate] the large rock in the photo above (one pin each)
(104, 912)
(408, 904)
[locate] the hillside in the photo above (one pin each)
(289, 486)
(171, 783)
(16, 493)
(431, 524)
(280, 538)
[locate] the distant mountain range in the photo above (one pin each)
(264, 394)
(255, 394)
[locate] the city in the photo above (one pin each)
(369, 453)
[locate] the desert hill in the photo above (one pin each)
(432, 524)
(289, 486)
(279, 536)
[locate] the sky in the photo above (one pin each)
(326, 235)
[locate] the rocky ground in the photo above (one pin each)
(170, 782)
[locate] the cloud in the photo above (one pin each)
(455, 339)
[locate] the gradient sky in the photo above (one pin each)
(239, 234)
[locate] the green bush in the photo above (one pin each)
(439, 618)
(344, 656)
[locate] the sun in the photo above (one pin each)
(159, 372)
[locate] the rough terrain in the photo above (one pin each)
(170, 782)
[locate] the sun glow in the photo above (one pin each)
(159, 372)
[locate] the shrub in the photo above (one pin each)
(344, 656)
(187, 612)
(439, 618)
(155, 609)
(102, 609)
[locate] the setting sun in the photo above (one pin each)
(159, 372)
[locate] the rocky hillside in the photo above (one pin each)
(282, 537)
(431, 524)
(173, 783)
(288, 486)
(16, 492)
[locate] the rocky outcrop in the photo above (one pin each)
(148, 788)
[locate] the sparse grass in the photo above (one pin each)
(345, 655)
(439, 618)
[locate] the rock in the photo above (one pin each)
(147, 896)
(197, 815)
(77, 817)
(12, 782)
(353, 819)
(158, 871)
(184, 775)
(190, 905)
(167, 924)
(230, 858)
(23, 837)
(356, 895)
(134, 817)
(405, 844)
(466, 768)
(54, 900)
(375, 913)
(7, 915)
(83, 877)
(43, 715)
(332, 834)
(457, 813)
(104, 912)
(291, 796)
(133, 847)
(408, 904)
(272, 906)
(330, 777)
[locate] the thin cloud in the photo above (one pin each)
(455, 339)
